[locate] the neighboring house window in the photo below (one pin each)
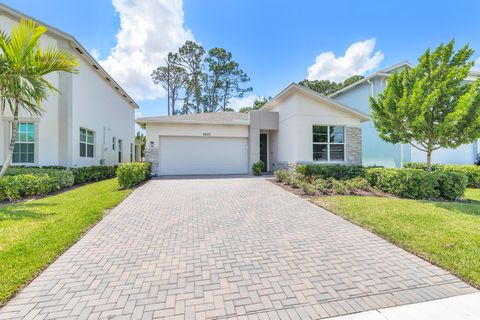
(131, 152)
(328, 143)
(120, 150)
(24, 151)
(114, 142)
(87, 143)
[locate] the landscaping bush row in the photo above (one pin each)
(417, 183)
(14, 187)
(22, 182)
(93, 173)
(132, 174)
(317, 185)
(471, 171)
(407, 183)
(335, 171)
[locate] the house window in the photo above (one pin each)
(131, 152)
(114, 143)
(87, 143)
(24, 151)
(328, 143)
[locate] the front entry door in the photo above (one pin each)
(264, 150)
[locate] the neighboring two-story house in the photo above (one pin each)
(377, 152)
(91, 122)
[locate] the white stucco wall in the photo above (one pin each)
(86, 100)
(297, 115)
(97, 106)
(46, 131)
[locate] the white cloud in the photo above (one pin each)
(149, 29)
(359, 58)
(237, 103)
(95, 54)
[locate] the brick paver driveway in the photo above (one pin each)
(221, 248)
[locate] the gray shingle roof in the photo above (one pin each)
(207, 117)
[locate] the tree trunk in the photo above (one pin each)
(168, 98)
(11, 146)
(429, 160)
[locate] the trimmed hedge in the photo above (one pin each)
(335, 171)
(471, 171)
(417, 183)
(93, 173)
(14, 187)
(22, 182)
(451, 185)
(132, 174)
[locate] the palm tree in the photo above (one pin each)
(23, 65)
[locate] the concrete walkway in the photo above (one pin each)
(465, 307)
(227, 248)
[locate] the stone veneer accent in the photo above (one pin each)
(152, 155)
(354, 145)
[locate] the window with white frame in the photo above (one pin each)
(114, 143)
(131, 152)
(328, 143)
(24, 151)
(87, 143)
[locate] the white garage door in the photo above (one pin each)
(203, 155)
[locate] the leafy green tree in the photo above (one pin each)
(431, 106)
(350, 81)
(191, 57)
(257, 104)
(326, 87)
(172, 77)
(23, 67)
(224, 80)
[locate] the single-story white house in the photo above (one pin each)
(91, 122)
(297, 126)
(377, 152)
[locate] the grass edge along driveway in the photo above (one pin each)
(444, 233)
(34, 233)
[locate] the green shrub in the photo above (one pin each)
(451, 185)
(321, 185)
(338, 186)
(93, 173)
(25, 185)
(308, 188)
(407, 183)
(336, 171)
(132, 174)
(295, 179)
(258, 167)
(358, 184)
(281, 175)
(420, 166)
(471, 171)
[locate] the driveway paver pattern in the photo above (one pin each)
(227, 248)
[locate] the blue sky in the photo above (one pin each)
(275, 42)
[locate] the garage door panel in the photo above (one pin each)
(203, 155)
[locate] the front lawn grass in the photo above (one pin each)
(445, 233)
(34, 233)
